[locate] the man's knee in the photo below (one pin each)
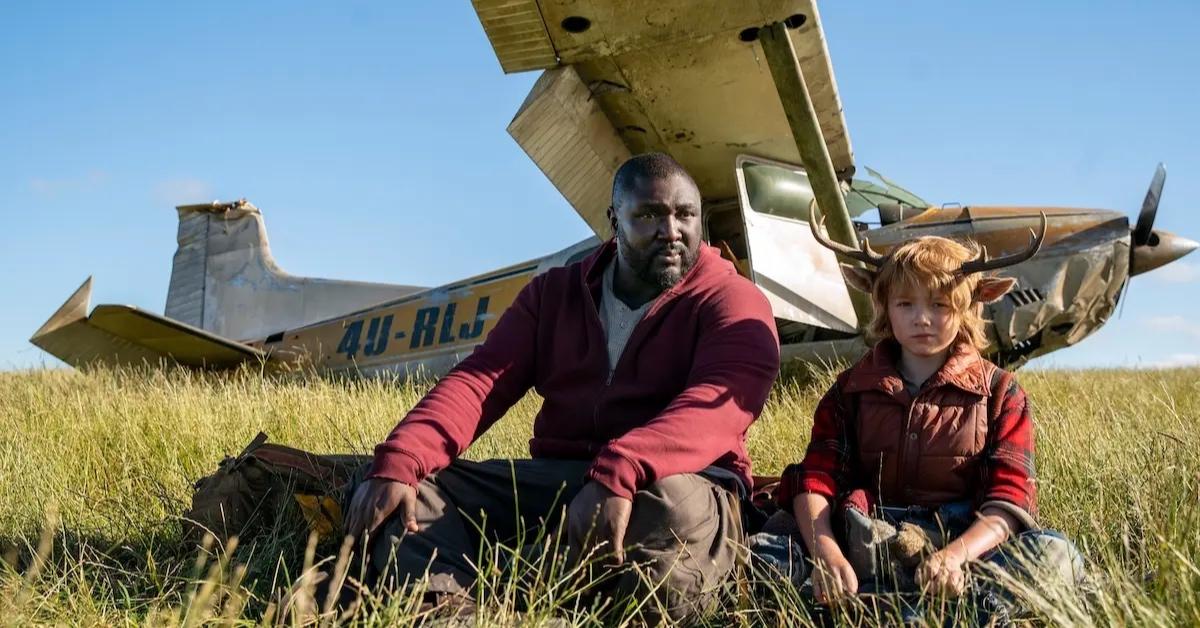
(664, 512)
(675, 510)
(685, 534)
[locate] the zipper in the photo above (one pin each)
(633, 336)
(594, 314)
(595, 327)
(906, 438)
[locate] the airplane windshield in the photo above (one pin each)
(785, 191)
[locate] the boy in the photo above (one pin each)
(921, 453)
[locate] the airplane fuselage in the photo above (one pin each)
(1063, 295)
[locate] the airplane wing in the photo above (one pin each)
(685, 77)
(124, 335)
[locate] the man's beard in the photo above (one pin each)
(642, 262)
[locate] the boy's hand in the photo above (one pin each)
(943, 573)
(833, 578)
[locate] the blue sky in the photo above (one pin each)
(371, 134)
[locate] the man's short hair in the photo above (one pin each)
(646, 166)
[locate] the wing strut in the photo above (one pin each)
(806, 131)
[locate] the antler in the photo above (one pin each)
(866, 254)
(981, 262)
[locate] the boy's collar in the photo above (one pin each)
(878, 370)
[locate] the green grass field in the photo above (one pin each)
(95, 469)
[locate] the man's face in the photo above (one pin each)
(923, 323)
(657, 223)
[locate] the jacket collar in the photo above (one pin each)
(878, 370)
(595, 264)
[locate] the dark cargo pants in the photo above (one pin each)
(684, 533)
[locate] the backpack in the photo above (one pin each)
(264, 486)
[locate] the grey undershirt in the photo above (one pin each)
(618, 321)
(617, 318)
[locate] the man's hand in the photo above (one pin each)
(833, 579)
(602, 516)
(943, 573)
(375, 500)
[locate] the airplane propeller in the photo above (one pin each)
(1149, 247)
(1145, 221)
(1141, 232)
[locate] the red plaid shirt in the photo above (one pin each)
(832, 466)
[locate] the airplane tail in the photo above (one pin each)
(225, 281)
(225, 289)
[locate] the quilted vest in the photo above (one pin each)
(925, 450)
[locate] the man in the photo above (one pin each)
(653, 357)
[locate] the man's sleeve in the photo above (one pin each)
(736, 361)
(1010, 477)
(468, 400)
(826, 462)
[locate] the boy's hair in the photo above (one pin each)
(934, 264)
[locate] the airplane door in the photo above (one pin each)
(800, 277)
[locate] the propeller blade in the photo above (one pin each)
(1145, 221)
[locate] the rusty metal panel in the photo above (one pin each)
(517, 34)
(687, 77)
(565, 133)
(813, 53)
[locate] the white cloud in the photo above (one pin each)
(182, 191)
(50, 188)
(1174, 324)
(1177, 272)
(1175, 360)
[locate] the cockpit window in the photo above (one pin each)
(785, 191)
(881, 191)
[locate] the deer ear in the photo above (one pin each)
(992, 289)
(860, 279)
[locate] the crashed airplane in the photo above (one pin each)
(743, 95)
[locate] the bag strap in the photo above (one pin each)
(297, 460)
(309, 465)
(254, 444)
(998, 384)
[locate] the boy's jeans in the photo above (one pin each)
(1038, 556)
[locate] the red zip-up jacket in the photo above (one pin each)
(692, 378)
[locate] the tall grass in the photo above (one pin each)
(96, 467)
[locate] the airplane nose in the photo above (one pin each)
(1161, 248)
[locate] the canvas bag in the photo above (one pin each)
(263, 486)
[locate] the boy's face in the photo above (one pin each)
(923, 323)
